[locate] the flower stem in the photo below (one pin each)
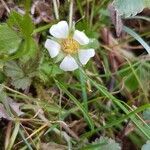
(56, 9)
(92, 13)
(83, 88)
(71, 14)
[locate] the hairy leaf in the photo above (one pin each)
(110, 144)
(19, 79)
(9, 40)
(104, 143)
(23, 23)
(127, 8)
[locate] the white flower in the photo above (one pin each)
(70, 45)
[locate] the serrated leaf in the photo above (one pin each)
(106, 144)
(52, 146)
(127, 8)
(9, 40)
(21, 83)
(146, 146)
(13, 70)
(19, 79)
(50, 70)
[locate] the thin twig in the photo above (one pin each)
(5, 5)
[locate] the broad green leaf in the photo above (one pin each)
(29, 49)
(28, 26)
(22, 83)
(104, 143)
(127, 8)
(13, 70)
(9, 40)
(18, 78)
(15, 20)
(22, 22)
(50, 70)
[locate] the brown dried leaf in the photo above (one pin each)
(3, 113)
(78, 126)
(2, 10)
(42, 10)
(15, 106)
(115, 18)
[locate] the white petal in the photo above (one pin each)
(60, 30)
(80, 37)
(68, 64)
(52, 47)
(85, 55)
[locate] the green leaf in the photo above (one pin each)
(13, 70)
(19, 79)
(15, 20)
(138, 38)
(147, 3)
(23, 23)
(104, 143)
(50, 70)
(127, 8)
(9, 40)
(29, 49)
(82, 109)
(22, 83)
(28, 26)
(94, 43)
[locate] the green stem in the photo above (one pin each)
(92, 13)
(83, 88)
(56, 9)
(71, 14)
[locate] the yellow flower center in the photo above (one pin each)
(69, 46)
